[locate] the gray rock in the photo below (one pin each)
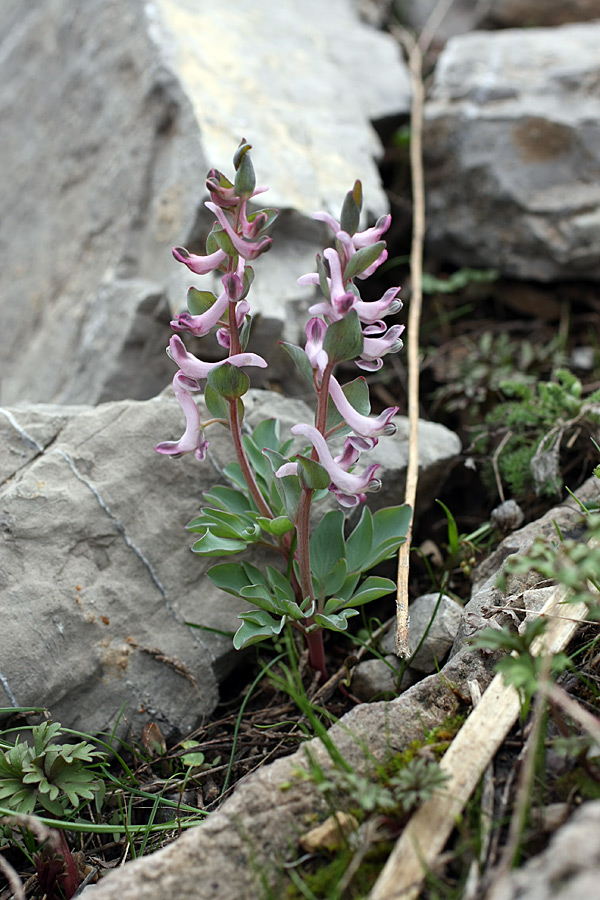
(512, 156)
(525, 13)
(567, 870)
(441, 618)
(108, 143)
(372, 678)
(243, 844)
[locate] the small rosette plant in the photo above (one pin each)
(275, 480)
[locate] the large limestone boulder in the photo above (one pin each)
(112, 113)
(512, 152)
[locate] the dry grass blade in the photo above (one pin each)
(465, 761)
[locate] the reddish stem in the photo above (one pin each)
(236, 434)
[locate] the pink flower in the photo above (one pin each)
(246, 249)
(200, 265)
(202, 324)
(192, 439)
(375, 348)
(371, 311)
(364, 426)
(348, 488)
(315, 332)
(193, 367)
(359, 240)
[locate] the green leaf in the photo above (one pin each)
(229, 577)
(372, 588)
(327, 545)
(277, 526)
(198, 302)
(312, 474)
(248, 279)
(280, 585)
(322, 273)
(224, 243)
(245, 179)
(245, 331)
(229, 499)
(362, 259)
(228, 381)
(223, 524)
(215, 404)
(335, 621)
(350, 217)
(257, 626)
(344, 339)
(209, 545)
(300, 360)
(266, 434)
(270, 213)
(191, 759)
(233, 473)
(360, 541)
(377, 537)
(336, 579)
(288, 486)
(453, 541)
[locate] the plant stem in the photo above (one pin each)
(236, 434)
(316, 653)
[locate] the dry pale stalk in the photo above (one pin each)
(470, 753)
(415, 50)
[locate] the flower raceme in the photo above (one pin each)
(270, 494)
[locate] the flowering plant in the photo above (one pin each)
(273, 485)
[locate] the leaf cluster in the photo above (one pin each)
(337, 566)
(521, 668)
(46, 774)
(230, 521)
(533, 423)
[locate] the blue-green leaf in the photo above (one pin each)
(372, 588)
(229, 499)
(257, 626)
(198, 302)
(335, 621)
(209, 545)
(229, 577)
(362, 259)
(277, 526)
(327, 544)
(312, 474)
(300, 360)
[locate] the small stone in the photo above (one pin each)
(446, 615)
(375, 677)
(330, 834)
(508, 516)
